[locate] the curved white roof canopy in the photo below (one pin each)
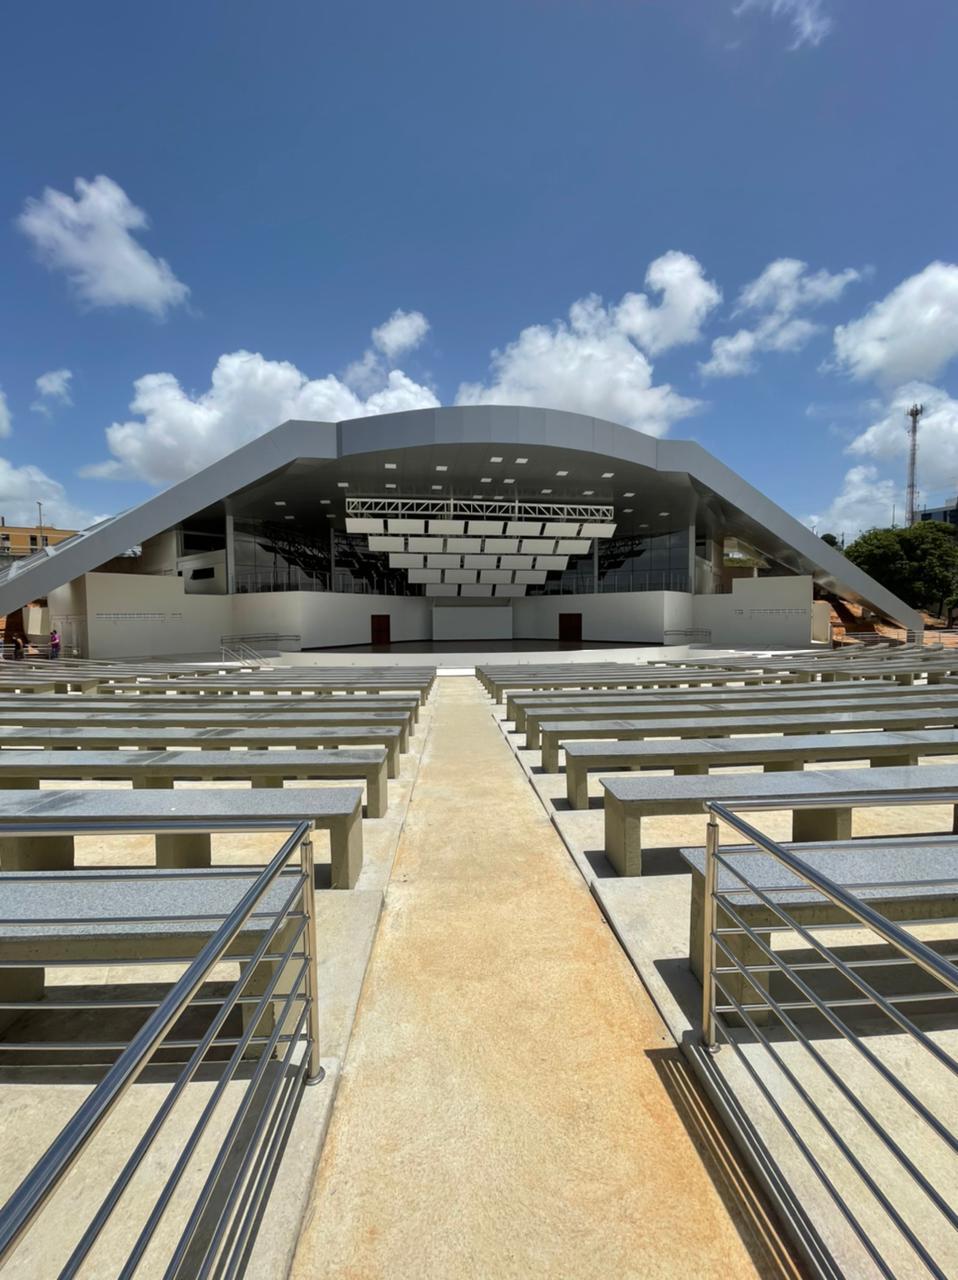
(433, 451)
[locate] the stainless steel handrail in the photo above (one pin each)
(62, 1155)
(738, 984)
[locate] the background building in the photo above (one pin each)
(472, 524)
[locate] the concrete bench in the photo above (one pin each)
(555, 732)
(157, 770)
(629, 799)
(147, 703)
(776, 755)
(289, 684)
(645, 680)
(131, 917)
(906, 879)
(677, 701)
(337, 810)
(134, 718)
(925, 699)
(253, 737)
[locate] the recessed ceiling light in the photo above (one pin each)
(390, 466)
(330, 516)
(485, 479)
(663, 513)
(521, 460)
(508, 480)
(607, 475)
(390, 486)
(627, 511)
(628, 495)
(324, 502)
(495, 459)
(643, 526)
(546, 490)
(562, 473)
(289, 517)
(279, 504)
(441, 468)
(587, 493)
(437, 486)
(342, 484)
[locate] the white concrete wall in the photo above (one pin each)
(158, 555)
(759, 612)
(214, 586)
(324, 620)
(470, 621)
(67, 606)
(133, 616)
(822, 621)
(629, 617)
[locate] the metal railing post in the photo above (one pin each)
(709, 915)
(315, 1072)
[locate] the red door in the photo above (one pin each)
(379, 628)
(570, 627)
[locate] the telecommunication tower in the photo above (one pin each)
(914, 413)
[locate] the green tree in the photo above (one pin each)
(830, 540)
(919, 564)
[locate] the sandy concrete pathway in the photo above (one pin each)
(512, 1105)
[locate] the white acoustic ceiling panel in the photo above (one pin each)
(573, 546)
(561, 529)
(403, 560)
(406, 526)
(443, 561)
(538, 546)
(532, 577)
(425, 575)
(552, 562)
(501, 546)
(515, 562)
(477, 589)
(510, 589)
(480, 562)
(460, 575)
(598, 530)
(426, 544)
(495, 575)
(524, 528)
(447, 527)
(463, 544)
(441, 589)
(485, 528)
(362, 524)
(388, 543)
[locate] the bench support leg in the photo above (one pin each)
(151, 782)
(17, 985)
(576, 786)
(190, 849)
(258, 982)
(36, 853)
(274, 780)
(377, 794)
(550, 754)
(736, 984)
(684, 770)
(19, 784)
(346, 851)
(623, 837)
(821, 824)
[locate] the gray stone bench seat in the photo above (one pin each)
(147, 703)
(20, 770)
(337, 810)
(798, 696)
(629, 798)
(133, 717)
(777, 754)
(771, 704)
(255, 738)
(812, 720)
(289, 684)
(905, 879)
(130, 916)
(573, 680)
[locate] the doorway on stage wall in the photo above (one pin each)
(379, 628)
(570, 628)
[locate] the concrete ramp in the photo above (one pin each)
(511, 1103)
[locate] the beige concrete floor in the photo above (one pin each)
(511, 1103)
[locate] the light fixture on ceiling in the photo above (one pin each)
(437, 486)
(390, 486)
(508, 480)
(279, 503)
(440, 467)
(390, 466)
(587, 493)
(522, 461)
(562, 473)
(664, 513)
(643, 526)
(496, 459)
(628, 495)
(546, 490)
(330, 516)
(342, 484)
(289, 517)
(627, 511)
(324, 502)
(607, 475)
(485, 479)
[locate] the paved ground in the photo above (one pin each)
(512, 1104)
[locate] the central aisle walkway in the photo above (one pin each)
(509, 1101)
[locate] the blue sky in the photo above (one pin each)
(186, 184)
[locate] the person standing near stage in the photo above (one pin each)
(54, 644)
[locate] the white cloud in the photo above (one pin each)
(687, 298)
(175, 433)
(865, 502)
(53, 388)
(6, 417)
(593, 363)
(403, 331)
(910, 333)
(785, 288)
(90, 238)
(22, 487)
(809, 21)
